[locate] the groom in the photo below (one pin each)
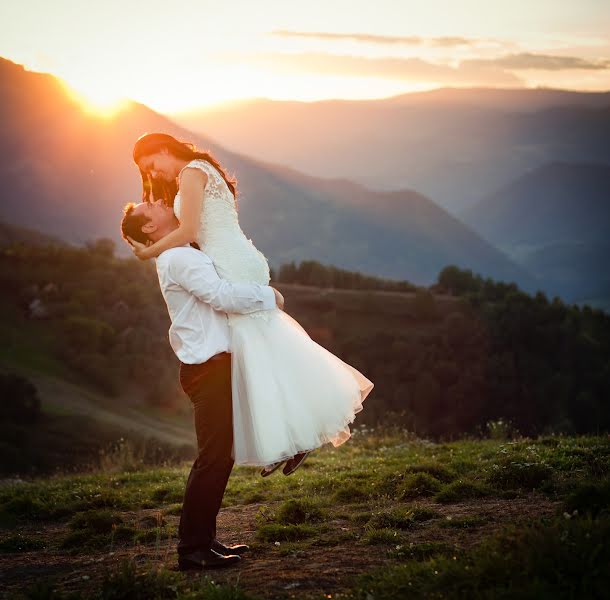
(197, 301)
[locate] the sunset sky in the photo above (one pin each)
(178, 56)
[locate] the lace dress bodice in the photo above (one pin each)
(220, 235)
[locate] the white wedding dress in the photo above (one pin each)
(289, 393)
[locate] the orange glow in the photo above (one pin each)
(200, 55)
(96, 99)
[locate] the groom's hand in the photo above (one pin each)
(279, 299)
(139, 249)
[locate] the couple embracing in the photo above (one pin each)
(263, 392)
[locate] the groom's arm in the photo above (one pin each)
(194, 271)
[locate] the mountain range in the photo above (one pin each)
(456, 146)
(68, 173)
(554, 221)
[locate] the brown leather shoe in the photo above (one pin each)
(206, 559)
(272, 468)
(238, 549)
(295, 462)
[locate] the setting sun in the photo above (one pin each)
(96, 99)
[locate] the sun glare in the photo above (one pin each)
(96, 99)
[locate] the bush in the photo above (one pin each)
(589, 498)
(98, 521)
(461, 490)
(393, 519)
(510, 474)
(273, 532)
(500, 429)
(419, 484)
(438, 471)
(296, 512)
(21, 543)
(19, 399)
(349, 493)
(380, 536)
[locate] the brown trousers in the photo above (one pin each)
(208, 385)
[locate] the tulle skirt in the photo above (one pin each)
(289, 393)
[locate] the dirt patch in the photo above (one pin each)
(313, 567)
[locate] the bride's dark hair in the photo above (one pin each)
(151, 143)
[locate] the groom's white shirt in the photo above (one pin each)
(198, 300)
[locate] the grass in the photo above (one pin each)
(20, 543)
(296, 512)
(561, 559)
(517, 472)
(97, 521)
(380, 536)
(152, 583)
(419, 484)
(462, 522)
(589, 498)
(275, 532)
(352, 475)
(421, 551)
(400, 518)
(436, 470)
(381, 489)
(460, 490)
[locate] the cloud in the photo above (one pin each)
(498, 71)
(407, 69)
(543, 62)
(411, 40)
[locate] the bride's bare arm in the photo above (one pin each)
(192, 184)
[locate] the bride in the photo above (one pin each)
(290, 395)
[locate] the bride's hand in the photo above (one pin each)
(141, 250)
(279, 299)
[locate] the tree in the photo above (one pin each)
(19, 401)
(458, 281)
(102, 247)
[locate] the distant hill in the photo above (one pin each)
(455, 146)
(68, 174)
(510, 99)
(558, 202)
(10, 234)
(554, 220)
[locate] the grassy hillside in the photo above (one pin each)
(386, 516)
(443, 365)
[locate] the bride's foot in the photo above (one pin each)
(268, 469)
(295, 462)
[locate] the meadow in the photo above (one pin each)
(386, 516)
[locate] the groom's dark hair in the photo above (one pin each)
(131, 225)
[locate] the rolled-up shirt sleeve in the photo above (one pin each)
(195, 272)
